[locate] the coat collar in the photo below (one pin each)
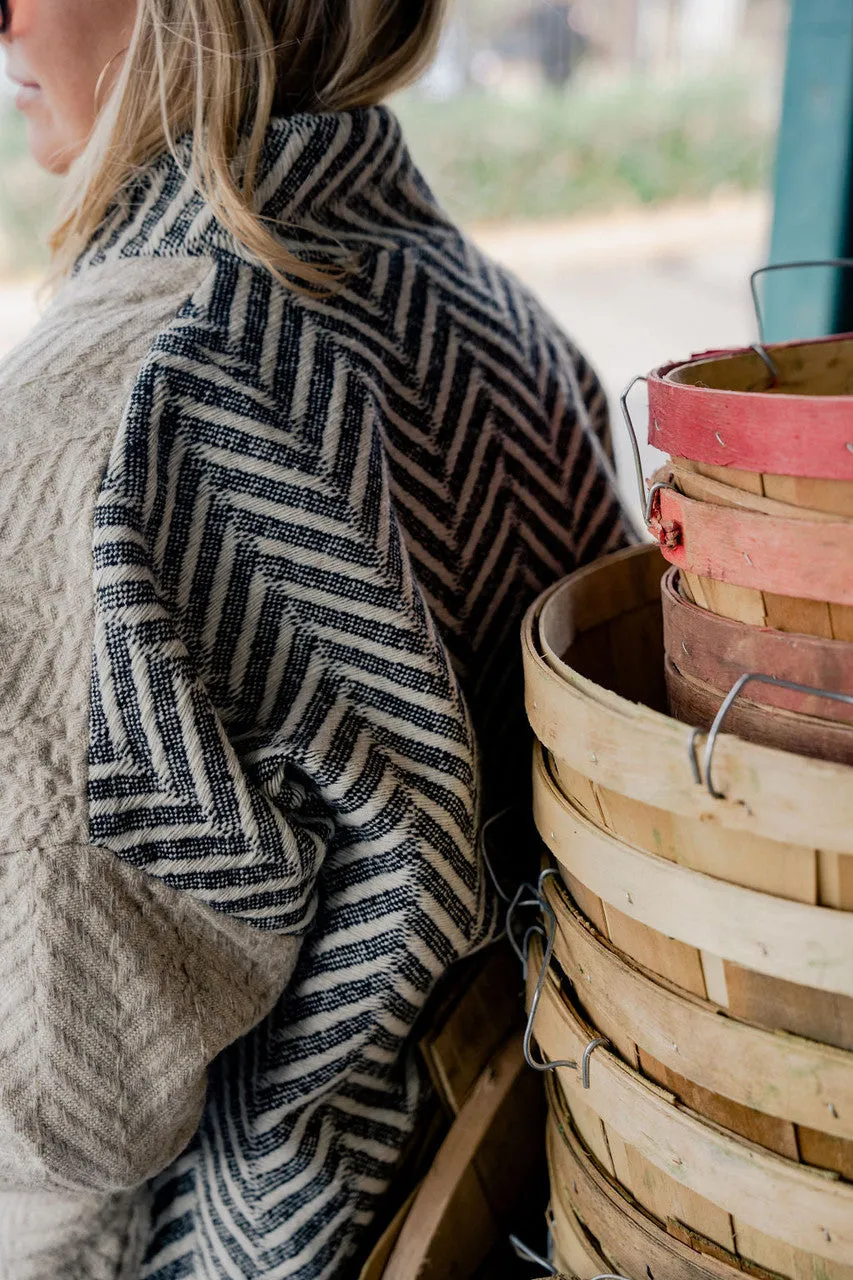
(330, 181)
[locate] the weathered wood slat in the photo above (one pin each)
(835, 497)
(696, 484)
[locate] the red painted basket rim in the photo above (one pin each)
(783, 433)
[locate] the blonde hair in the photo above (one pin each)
(222, 68)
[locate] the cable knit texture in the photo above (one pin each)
(262, 563)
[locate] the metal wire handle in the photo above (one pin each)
(725, 707)
(540, 982)
(523, 1251)
(632, 435)
(786, 266)
(526, 1254)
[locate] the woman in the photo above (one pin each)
(282, 464)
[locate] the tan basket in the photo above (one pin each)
(600, 712)
(742, 1200)
(791, 1095)
(597, 1220)
(639, 840)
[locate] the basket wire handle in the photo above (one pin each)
(632, 435)
(759, 347)
(725, 707)
(523, 1251)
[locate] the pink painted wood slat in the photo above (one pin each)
(801, 558)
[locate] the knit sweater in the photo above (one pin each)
(263, 557)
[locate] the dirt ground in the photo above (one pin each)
(633, 289)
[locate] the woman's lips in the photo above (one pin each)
(26, 94)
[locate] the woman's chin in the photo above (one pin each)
(48, 149)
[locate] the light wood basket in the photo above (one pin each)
(598, 1225)
(723, 1197)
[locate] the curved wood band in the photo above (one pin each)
(731, 421)
(628, 1237)
(641, 753)
(801, 943)
(719, 650)
(780, 1075)
(808, 559)
(695, 484)
(802, 1207)
(697, 703)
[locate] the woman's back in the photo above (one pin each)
(312, 525)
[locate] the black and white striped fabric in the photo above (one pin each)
(318, 530)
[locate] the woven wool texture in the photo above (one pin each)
(263, 559)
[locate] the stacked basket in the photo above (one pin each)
(694, 992)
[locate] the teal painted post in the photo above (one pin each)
(814, 170)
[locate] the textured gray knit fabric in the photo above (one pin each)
(262, 564)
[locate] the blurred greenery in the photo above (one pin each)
(490, 157)
(558, 154)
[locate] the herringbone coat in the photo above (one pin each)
(263, 559)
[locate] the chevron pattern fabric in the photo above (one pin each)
(317, 527)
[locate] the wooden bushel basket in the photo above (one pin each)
(747, 604)
(789, 441)
(747, 1201)
(789, 1094)
(597, 1222)
(595, 697)
(675, 878)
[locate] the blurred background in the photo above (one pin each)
(617, 154)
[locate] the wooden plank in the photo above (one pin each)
(804, 944)
(374, 1268)
(453, 1222)
(804, 1207)
(665, 1199)
(808, 559)
(670, 957)
(788, 871)
(787, 1006)
(643, 754)
(702, 487)
(832, 496)
(483, 1014)
(772, 1132)
(780, 1075)
(778, 1257)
